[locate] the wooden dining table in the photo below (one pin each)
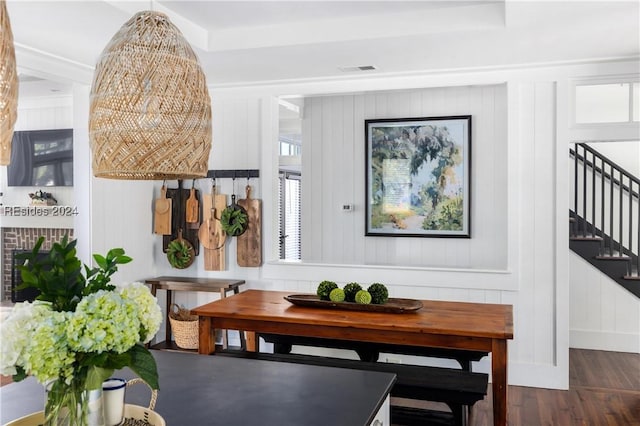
(439, 324)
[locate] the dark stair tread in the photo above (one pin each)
(606, 257)
(585, 238)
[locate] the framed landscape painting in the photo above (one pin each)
(418, 177)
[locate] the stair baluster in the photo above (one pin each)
(617, 227)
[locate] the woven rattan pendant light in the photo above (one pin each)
(8, 86)
(150, 111)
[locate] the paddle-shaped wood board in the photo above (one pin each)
(249, 248)
(214, 258)
(193, 210)
(162, 213)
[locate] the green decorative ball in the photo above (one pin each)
(350, 291)
(324, 288)
(336, 295)
(379, 293)
(363, 297)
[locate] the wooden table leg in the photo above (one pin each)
(206, 336)
(167, 330)
(499, 381)
(225, 332)
(252, 345)
(243, 340)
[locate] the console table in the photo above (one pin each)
(212, 285)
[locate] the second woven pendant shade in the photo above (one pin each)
(8, 86)
(150, 110)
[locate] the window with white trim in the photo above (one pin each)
(607, 103)
(289, 215)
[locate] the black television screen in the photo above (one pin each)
(41, 158)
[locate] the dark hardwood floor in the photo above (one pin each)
(604, 389)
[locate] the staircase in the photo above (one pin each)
(605, 216)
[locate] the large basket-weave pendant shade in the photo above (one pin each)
(150, 111)
(8, 86)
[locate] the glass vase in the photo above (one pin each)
(72, 404)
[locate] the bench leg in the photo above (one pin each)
(465, 364)
(368, 355)
(282, 348)
(459, 414)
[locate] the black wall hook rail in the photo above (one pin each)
(233, 174)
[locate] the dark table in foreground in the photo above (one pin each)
(200, 391)
(456, 325)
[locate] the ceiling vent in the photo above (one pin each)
(358, 68)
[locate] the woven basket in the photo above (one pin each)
(8, 86)
(150, 110)
(136, 412)
(184, 327)
(133, 414)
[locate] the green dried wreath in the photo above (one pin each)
(234, 221)
(179, 254)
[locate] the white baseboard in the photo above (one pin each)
(538, 376)
(604, 341)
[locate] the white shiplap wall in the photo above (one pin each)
(604, 315)
(532, 271)
(333, 175)
(236, 145)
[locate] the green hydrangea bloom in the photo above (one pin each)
(104, 321)
(49, 356)
(149, 312)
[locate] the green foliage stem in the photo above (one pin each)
(58, 276)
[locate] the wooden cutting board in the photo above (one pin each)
(178, 197)
(162, 213)
(249, 248)
(214, 258)
(208, 231)
(192, 209)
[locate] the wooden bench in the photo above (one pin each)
(457, 388)
(282, 344)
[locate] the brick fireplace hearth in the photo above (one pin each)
(24, 239)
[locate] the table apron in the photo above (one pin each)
(359, 334)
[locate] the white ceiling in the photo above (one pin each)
(252, 42)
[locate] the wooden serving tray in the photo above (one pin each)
(393, 306)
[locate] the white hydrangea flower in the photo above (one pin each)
(15, 334)
(149, 313)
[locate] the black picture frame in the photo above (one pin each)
(418, 177)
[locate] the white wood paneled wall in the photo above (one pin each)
(333, 174)
(604, 315)
(518, 253)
